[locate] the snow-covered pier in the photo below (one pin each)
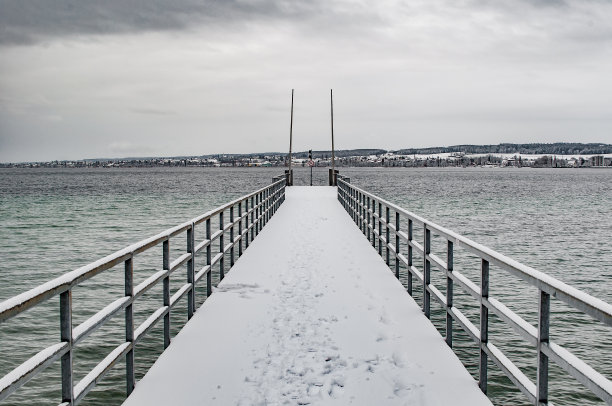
(309, 314)
(314, 306)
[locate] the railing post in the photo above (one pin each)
(221, 248)
(252, 225)
(380, 229)
(410, 237)
(267, 207)
(543, 338)
(369, 223)
(362, 212)
(387, 235)
(191, 271)
(426, 270)
(166, 291)
(232, 236)
(66, 336)
(355, 207)
(397, 245)
(130, 380)
(240, 229)
(484, 325)
(352, 204)
(208, 259)
(246, 223)
(262, 213)
(449, 294)
(256, 224)
(264, 208)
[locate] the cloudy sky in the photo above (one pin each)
(115, 78)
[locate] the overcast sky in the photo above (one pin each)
(116, 78)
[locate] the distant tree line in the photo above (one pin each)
(557, 148)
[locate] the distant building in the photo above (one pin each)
(597, 160)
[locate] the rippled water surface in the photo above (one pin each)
(55, 220)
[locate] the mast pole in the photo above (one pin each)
(331, 99)
(291, 136)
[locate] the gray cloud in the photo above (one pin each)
(154, 112)
(32, 21)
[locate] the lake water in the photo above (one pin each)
(56, 220)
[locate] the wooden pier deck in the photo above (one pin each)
(310, 314)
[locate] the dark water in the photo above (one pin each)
(53, 221)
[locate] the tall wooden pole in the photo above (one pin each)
(331, 99)
(291, 134)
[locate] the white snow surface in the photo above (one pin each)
(310, 314)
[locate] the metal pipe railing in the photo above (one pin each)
(361, 206)
(254, 217)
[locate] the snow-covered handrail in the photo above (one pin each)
(372, 215)
(253, 212)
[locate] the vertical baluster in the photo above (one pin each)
(484, 325)
(361, 213)
(252, 218)
(449, 293)
(66, 336)
(262, 213)
(221, 248)
(365, 216)
(277, 196)
(370, 222)
(426, 270)
(256, 224)
(380, 229)
(360, 216)
(358, 208)
(355, 205)
(347, 195)
(353, 208)
(130, 380)
(543, 338)
(268, 205)
(191, 271)
(282, 192)
(166, 291)
(231, 241)
(246, 223)
(348, 202)
(240, 229)
(208, 259)
(264, 209)
(387, 234)
(410, 257)
(397, 245)
(345, 198)
(264, 202)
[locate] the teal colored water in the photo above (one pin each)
(56, 220)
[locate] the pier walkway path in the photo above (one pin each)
(310, 314)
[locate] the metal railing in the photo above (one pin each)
(381, 222)
(247, 216)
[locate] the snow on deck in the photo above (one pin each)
(310, 314)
